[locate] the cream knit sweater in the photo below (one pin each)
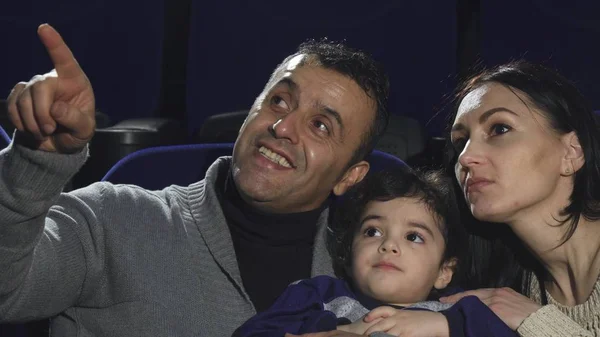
(555, 319)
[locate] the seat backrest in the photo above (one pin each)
(4, 138)
(159, 167)
(404, 137)
(220, 128)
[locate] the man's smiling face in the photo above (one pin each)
(297, 141)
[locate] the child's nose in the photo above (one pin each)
(389, 246)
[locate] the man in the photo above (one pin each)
(197, 260)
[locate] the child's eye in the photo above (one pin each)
(372, 232)
(415, 237)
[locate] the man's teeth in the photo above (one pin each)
(274, 157)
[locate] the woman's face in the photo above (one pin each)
(510, 158)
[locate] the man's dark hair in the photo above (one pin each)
(433, 189)
(362, 69)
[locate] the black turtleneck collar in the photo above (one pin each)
(270, 228)
(272, 250)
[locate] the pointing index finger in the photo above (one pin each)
(64, 62)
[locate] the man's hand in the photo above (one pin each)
(509, 305)
(409, 323)
(54, 112)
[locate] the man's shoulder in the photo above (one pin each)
(106, 193)
(209, 181)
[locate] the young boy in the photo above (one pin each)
(396, 242)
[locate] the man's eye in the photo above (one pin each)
(321, 126)
(372, 232)
(279, 102)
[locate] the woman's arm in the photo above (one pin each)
(549, 321)
(523, 315)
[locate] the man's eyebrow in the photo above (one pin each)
(484, 117)
(288, 82)
(332, 113)
(422, 226)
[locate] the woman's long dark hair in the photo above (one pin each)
(498, 258)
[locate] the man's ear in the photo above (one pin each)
(445, 274)
(352, 176)
(573, 159)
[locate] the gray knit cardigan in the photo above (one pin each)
(119, 260)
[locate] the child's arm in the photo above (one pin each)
(298, 310)
(469, 317)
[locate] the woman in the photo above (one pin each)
(527, 160)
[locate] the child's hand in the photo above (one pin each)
(358, 327)
(413, 323)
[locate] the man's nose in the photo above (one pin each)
(286, 127)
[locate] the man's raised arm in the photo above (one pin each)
(42, 263)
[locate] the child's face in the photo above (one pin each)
(397, 252)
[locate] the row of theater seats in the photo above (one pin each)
(158, 167)
(155, 167)
(404, 139)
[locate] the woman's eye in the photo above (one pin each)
(279, 102)
(499, 129)
(459, 144)
(372, 232)
(414, 237)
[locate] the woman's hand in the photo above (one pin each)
(509, 305)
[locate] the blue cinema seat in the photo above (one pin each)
(4, 138)
(159, 167)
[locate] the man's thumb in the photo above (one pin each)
(72, 119)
